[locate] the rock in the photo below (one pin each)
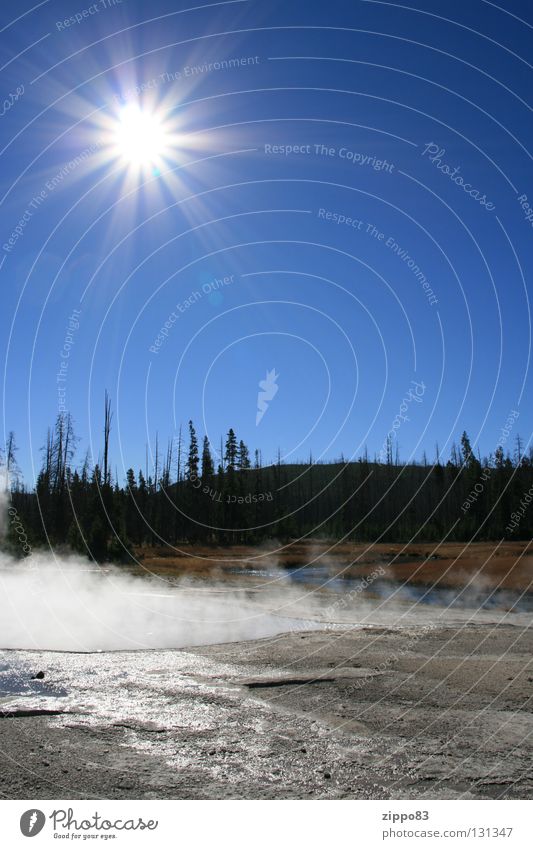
(39, 676)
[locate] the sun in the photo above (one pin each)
(140, 137)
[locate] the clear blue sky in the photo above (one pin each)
(346, 319)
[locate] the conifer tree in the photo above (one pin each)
(230, 455)
(466, 449)
(193, 459)
(243, 457)
(208, 468)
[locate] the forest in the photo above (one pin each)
(188, 498)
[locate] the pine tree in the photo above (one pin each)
(466, 449)
(230, 455)
(243, 457)
(193, 459)
(208, 468)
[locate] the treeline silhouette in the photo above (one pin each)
(189, 497)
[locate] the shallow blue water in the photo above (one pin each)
(470, 597)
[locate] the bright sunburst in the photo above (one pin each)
(140, 137)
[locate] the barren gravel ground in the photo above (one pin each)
(411, 712)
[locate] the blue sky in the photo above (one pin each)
(307, 201)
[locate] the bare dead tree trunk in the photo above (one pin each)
(156, 468)
(167, 471)
(179, 455)
(107, 429)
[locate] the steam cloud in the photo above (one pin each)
(61, 603)
(68, 604)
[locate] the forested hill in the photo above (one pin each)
(187, 499)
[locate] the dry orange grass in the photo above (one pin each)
(454, 564)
